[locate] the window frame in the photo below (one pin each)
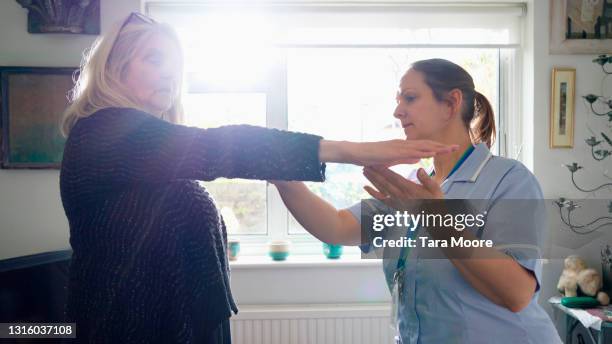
(508, 143)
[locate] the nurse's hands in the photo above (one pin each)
(387, 153)
(398, 192)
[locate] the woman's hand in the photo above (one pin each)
(386, 153)
(398, 192)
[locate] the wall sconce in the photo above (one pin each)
(571, 206)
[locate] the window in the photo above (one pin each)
(327, 69)
(354, 102)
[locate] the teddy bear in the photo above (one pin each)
(577, 277)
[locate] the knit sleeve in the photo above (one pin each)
(126, 145)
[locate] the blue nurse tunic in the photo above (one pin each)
(437, 304)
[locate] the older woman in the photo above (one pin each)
(149, 262)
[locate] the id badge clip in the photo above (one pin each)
(395, 299)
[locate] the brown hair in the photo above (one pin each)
(443, 76)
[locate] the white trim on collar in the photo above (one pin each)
(479, 169)
(472, 166)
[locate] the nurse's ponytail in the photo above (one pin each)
(443, 76)
(482, 125)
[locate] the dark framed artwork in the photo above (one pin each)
(63, 16)
(580, 26)
(33, 101)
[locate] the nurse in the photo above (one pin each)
(492, 299)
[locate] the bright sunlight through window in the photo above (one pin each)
(327, 71)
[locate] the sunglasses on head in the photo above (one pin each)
(133, 18)
(137, 17)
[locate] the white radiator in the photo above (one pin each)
(312, 324)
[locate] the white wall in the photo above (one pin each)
(548, 163)
(31, 215)
(553, 177)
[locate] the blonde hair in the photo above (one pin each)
(99, 84)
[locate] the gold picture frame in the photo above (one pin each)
(562, 107)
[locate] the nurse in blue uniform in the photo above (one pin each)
(451, 300)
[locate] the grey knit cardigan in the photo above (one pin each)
(149, 260)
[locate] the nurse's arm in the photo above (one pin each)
(317, 216)
(499, 278)
(491, 272)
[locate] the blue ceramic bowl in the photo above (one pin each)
(279, 255)
(233, 248)
(332, 251)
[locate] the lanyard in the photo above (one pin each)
(463, 157)
(398, 276)
(401, 262)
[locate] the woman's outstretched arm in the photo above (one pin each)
(317, 216)
(122, 146)
(389, 153)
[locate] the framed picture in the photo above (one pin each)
(562, 108)
(580, 26)
(63, 16)
(33, 101)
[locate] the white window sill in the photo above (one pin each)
(302, 261)
(307, 279)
